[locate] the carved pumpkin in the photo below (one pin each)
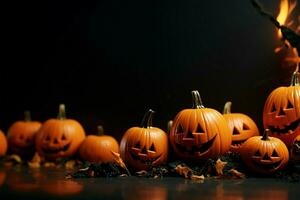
(59, 138)
(21, 136)
(241, 126)
(98, 148)
(199, 133)
(295, 150)
(282, 111)
(264, 154)
(146, 146)
(3, 144)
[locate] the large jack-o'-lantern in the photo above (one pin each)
(21, 136)
(3, 144)
(146, 146)
(199, 133)
(264, 154)
(241, 126)
(59, 138)
(282, 111)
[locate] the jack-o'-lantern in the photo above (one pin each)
(98, 148)
(282, 111)
(145, 146)
(295, 149)
(21, 136)
(241, 126)
(3, 144)
(264, 154)
(59, 138)
(199, 133)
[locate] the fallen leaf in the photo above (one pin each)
(119, 161)
(35, 162)
(236, 173)
(49, 164)
(197, 178)
(14, 158)
(183, 171)
(70, 164)
(220, 166)
(142, 173)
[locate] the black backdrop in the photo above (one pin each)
(109, 61)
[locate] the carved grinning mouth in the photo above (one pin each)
(288, 129)
(238, 143)
(196, 149)
(56, 150)
(267, 166)
(147, 161)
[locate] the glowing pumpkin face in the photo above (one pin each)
(295, 150)
(241, 126)
(264, 155)
(21, 137)
(146, 146)
(60, 137)
(3, 144)
(199, 133)
(282, 112)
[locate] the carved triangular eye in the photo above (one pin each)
(257, 153)
(137, 145)
(275, 154)
(281, 112)
(273, 108)
(179, 129)
(235, 131)
(290, 105)
(152, 148)
(245, 127)
(199, 129)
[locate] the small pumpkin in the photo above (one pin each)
(282, 111)
(21, 136)
(199, 133)
(145, 146)
(3, 144)
(295, 150)
(264, 154)
(242, 127)
(98, 148)
(59, 138)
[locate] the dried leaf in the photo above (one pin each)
(49, 164)
(35, 162)
(236, 173)
(197, 178)
(119, 161)
(220, 166)
(183, 171)
(14, 158)
(142, 173)
(70, 164)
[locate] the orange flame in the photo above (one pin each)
(285, 9)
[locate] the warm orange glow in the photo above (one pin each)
(285, 9)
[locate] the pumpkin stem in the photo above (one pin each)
(227, 107)
(265, 135)
(27, 116)
(62, 112)
(170, 123)
(100, 130)
(147, 119)
(197, 102)
(295, 77)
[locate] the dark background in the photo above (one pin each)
(109, 61)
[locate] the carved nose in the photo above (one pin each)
(144, 150)
(266, 157)
(281, 112)
(189, 135)
(55, 141)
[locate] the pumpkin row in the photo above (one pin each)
(196, 134)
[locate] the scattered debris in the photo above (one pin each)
(219, 166)
(120, 162)
(236, 173)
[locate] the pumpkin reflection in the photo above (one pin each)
(2, 177)
(23, 182)
(145, 192)
(62, 187)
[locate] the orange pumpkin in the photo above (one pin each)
(59, 138)
(295, 150)
(3, 144)
(146, 146)
(21, 136)
(264, 154)
(98, 148)
(241, 126)
(282, 111)
(199, 133)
